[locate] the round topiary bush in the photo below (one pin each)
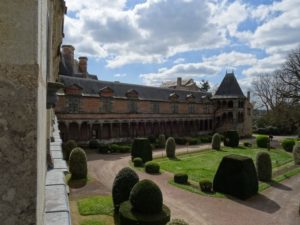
(264, 166)
(181, 178)
(138, 162)
(123, 183)
(78, 164)
(152, 167)
(146, 197)
(94, 143)
(141, 148)
(296, 153)
(288, 144)
(206, 186)
(67, 147)
(262, 141)
(170, 147)
(231, 138)
(161, 141)
(216, 141)
(177, 222)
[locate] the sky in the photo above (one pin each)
(152, 41)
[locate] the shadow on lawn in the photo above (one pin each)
(278, 185)
(258, 202)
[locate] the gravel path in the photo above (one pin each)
(275, 206)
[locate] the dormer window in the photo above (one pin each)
(173, 96)
(190, 97)
(131, 93)
(73, 89)
(106, 92)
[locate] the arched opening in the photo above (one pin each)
(230, 104)
(84, 132)
(74, 131)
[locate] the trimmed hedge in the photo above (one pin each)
(177, 222)
(231, 138)
(104, 148)
(296, 153)
(170, 147)
(206, 186)
(216, 141)
(262, 141)
(236, 176)
(67, 147)
(288, 144)
(152, 167)
(123, 184)
(264, 166)
(138, 162)
(120, 148)
(78, 164)
(181, 178)
(180, 140)
(141, 148)
(94, 143)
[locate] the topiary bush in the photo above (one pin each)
(288, 144)
(120, 148)
(141, 148)
(161, 141)
(236, 176)
(216, 141)
(247, 144)
(181, 178)
(123, 183)
(67, 147)
(264, 166)
(78, 164)
(138, 162)
(177, 222)
(206, 186)
(231, 138)
(152, 167)
(296, 153)
(170, 147)
(94, 143)
(262, 141)
(104, 148)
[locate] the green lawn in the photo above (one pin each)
(203, 165)
(92, 222)
(96, 205)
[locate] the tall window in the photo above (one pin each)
(132, 106)
(73, 106)
(174, 108)
(106, 105)
(155, 107)
(191, 108)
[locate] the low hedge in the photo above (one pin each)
(104, 148)
(288, 144)
(120, 148)
(152, 167)
(94, 143)
(181, 178)
(180, 140)
(206, 186)
(262, 141)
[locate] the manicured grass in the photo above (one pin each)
(203, 165)
(92, 222)
(96, 205)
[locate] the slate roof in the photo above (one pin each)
(229, 88)
(120, 89)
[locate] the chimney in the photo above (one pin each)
(248, 95)
(82, 65)
(179, 81)
(68, 56)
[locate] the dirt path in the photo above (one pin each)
(275, 206)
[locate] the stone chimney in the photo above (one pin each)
(179, 81)
(248, 95)
(82, 65)
(68, 56)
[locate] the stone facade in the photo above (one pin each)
(31, 33)
(114, 111)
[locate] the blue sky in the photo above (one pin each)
(152, 41)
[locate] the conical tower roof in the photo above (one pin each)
(229, 87)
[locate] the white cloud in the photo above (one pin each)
(179, 60)
(120, 75)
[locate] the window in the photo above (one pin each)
(132, 106)
(106, 105)
(174, 108)
(241, 104)
(73, 106)
(155, 107)
(191, 108)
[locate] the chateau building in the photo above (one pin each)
(115, 111)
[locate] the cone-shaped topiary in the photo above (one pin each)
(170, 147)
(123, 183)
(161, 140)
(216, 141)
(141, 148)
(146, 197)
(296, 153)
(78, 164)
(177, 222)
(231, 138)
(67, 147)
(264, 166)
